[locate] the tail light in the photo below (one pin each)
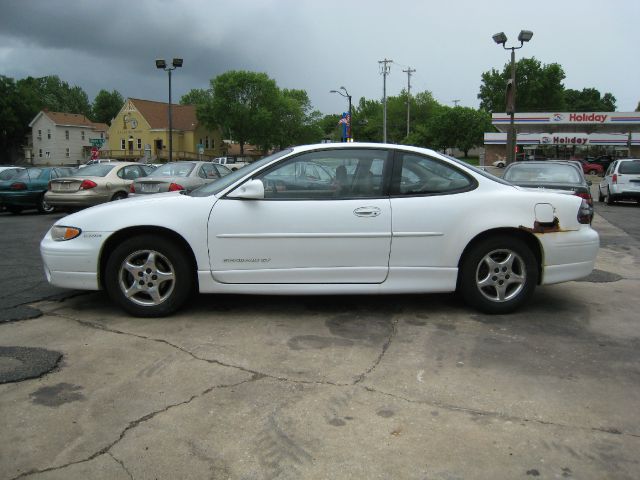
(88, 184)
(614, 178)
(585, 213)
(132, 188)
(586, 196)
(18, 186)
(175, 187)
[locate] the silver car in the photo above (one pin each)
(177, 176)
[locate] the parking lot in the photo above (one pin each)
(251, 387)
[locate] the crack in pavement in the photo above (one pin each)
(133, 424)
(98, 326)
(498, 415)
(385, 347)
(121, 463)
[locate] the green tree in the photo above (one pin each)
(242, 103)
(295, 121)
(538, 87)
(589, 100)
(196, 96)
(57, 95)
(106, 106)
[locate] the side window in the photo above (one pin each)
(611, 168)
(130, 172)
(345, 173)
(208, 171)
(423, 176)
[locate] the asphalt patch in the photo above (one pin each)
(23, 363)
(600, 276)
(20, 312)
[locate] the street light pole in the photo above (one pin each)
(162, 65)
(501, 39)
(348, 97)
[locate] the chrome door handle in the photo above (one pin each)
(367, 212)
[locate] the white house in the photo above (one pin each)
(63, 138)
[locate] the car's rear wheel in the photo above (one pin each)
(610, 199)
(498, 274)
(119, 196)
(149, 276)
(593, 172)
(43, 206)
(600, 196)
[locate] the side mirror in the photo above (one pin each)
(253, 189)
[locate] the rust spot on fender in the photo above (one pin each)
(538, 227)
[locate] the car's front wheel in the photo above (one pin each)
(498, 274)
(149, 276)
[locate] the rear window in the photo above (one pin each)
(630, 167)
(97, 170)
(538, 173)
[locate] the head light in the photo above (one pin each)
(61, 233)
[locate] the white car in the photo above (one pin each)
(621, 181)
(500, 163)
(380, 219)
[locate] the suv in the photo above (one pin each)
(621, 181)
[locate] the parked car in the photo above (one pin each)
(528, 157)
(7, 173)
(95, 184)
(27, 189)
(178, 176)
(591, 168)
(231, 162)
(500, 163)
(414, 228)
(620, 182)
(556, 175)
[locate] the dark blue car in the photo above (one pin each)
(27, 189)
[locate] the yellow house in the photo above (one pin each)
(141, 129)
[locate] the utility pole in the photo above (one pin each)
(455, 102)
(384, 71)
(408, 71)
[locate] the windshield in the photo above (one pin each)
(477, 170)
(174, 169)
(29, 173)
(97, 170)
(222, 183)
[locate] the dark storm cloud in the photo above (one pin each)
(315, 46)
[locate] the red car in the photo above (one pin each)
(591, 168)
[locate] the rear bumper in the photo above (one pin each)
(569, 255)
(76, 199)
(20, 199)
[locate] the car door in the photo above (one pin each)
(429, 200)
(308, 230)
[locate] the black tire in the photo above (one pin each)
(119, 196)
(14, 209)
(593, 172)
(610, 199)
(600, 196)
(44, 207)
(158, 289)
(505, 290)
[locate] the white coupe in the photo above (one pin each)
(349, 218)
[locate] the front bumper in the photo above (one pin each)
(73, 263)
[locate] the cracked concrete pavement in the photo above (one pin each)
(416, 387)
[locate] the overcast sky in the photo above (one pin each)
(318, 45)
